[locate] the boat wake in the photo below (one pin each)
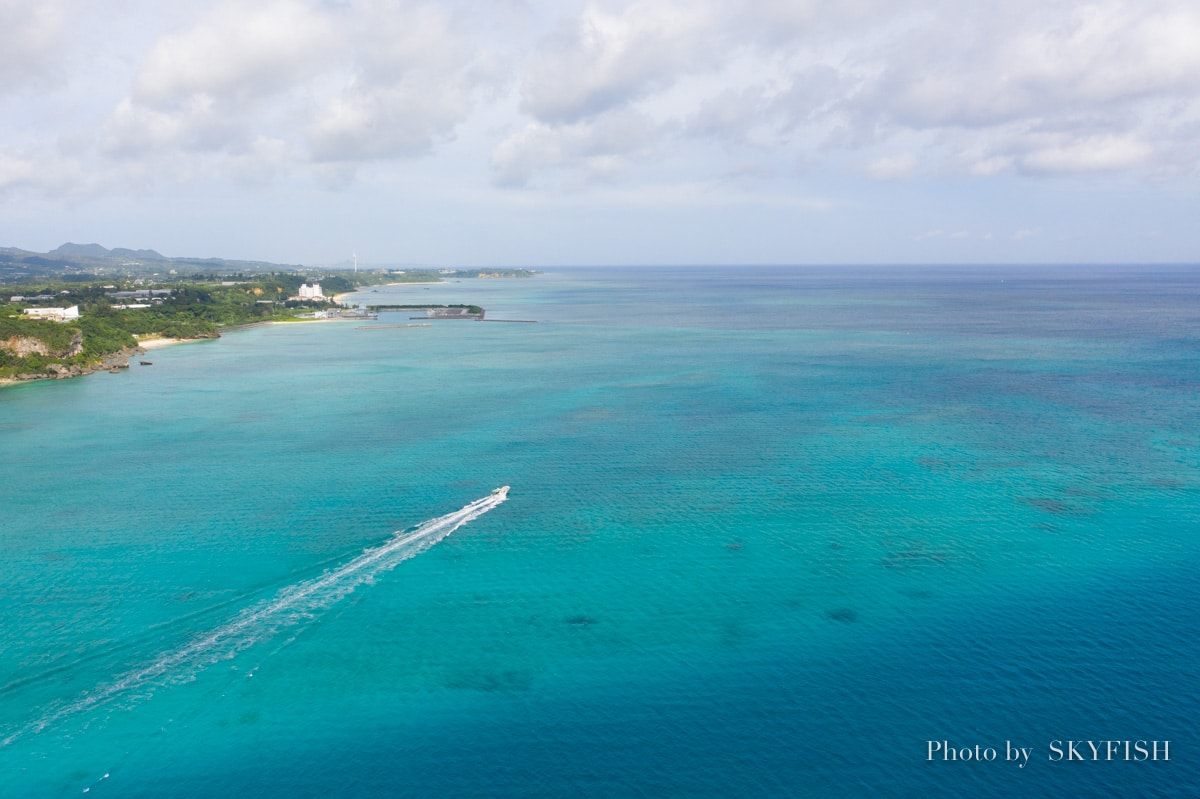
(259, 622)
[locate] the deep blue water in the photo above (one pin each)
(770, 532)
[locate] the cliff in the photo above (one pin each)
(24, 346)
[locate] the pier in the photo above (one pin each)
(390, 327)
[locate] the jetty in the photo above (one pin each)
(390, 327)
(436, 311)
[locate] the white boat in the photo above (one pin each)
(502, 491)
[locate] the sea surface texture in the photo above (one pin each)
(771, 532)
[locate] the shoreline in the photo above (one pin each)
(298, 322)
(339, 298)
(120, 360)
(159, 343)
(113, 362)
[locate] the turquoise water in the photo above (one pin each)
(770, 532)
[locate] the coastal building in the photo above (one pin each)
(312, 292)
(54, 314)
(125, 295)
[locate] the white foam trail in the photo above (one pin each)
(258, 622)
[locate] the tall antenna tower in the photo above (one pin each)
(355, 261)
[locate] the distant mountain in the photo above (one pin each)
(145, 255)
(77, 262)
(70, 250)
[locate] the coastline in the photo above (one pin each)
(120, 360)
(301, 321)
(159, 343)
(340, 298)
(109, 363)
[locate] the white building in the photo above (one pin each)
(54, 314)
(312, 292)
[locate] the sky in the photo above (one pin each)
(529, 133)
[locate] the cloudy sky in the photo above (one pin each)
(523, 132)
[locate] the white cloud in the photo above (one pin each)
(385, 122)
(608, 58)
(604, 98)
(1088, 154)
(354, 82)
(991, 165)
(730, 114)
(39, 172)
(964, 68)
(239, 52)
(930, 235)
(976, 90)
(135, 131)
(1107, 83)
(897, 167)
(1029, 88)
(236, 75)
(261, 162)
(31, 39)
(414, 79)
(16, 171)
(600, 148)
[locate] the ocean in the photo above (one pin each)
(802, 532)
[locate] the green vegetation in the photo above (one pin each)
(185, 298)
(411, 276)
(56, 337)
(486, 273)
(107, 325)
(83, 263)
(87, 262)
(474, 310)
